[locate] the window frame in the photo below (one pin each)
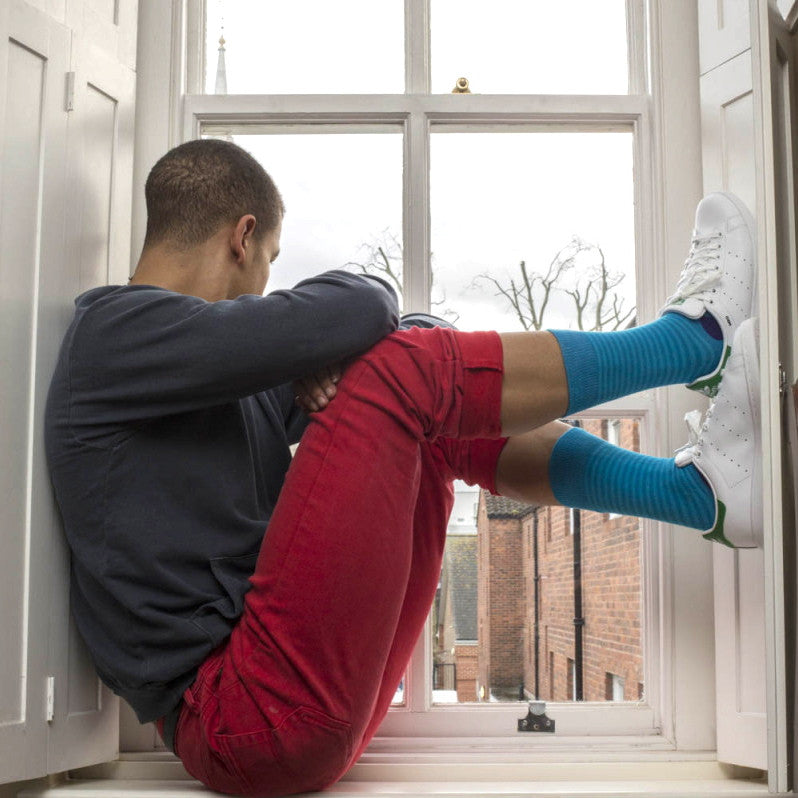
(614, 437)
(643, 727)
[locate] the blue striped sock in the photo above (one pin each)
(600, 366)
(592, 474)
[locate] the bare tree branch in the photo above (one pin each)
(383, 257)
(597, 305)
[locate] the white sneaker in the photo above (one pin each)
(726, 448)
(718, 275)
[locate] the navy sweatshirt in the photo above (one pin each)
(167, 429)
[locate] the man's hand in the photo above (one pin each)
(315, 392)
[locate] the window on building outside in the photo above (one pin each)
(583, 587)
(614, 437)
(614, 687)
(570, 678)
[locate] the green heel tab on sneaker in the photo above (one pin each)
(716, 533)
(710, 385)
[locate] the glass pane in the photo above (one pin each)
(533, 47)
(505, 616)
(343, 198)
(533, 230)
(399, 695)
(304, 47)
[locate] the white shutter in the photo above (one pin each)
(727, 131)
(34, 53)
(724, 31)
(85, 728)
(776, 92)
(749, 614)
(66, 129)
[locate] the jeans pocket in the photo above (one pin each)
(314, 745)
(308, 751)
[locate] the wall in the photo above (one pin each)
(611, 596)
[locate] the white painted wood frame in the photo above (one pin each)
(679, 713)
(775, 84)
(745, 89)
(34, 58)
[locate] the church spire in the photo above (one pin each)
(221, 70)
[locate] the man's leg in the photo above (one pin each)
(442, 461)
(284, 706)
(713, 484)
(690, 342)
(288, 702)
(563, 465)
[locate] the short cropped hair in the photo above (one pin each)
(201, 185)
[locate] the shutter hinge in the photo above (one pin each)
(50, 699)
(69, 97)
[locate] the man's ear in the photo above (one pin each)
(241, 237)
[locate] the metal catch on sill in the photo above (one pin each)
(536, 720)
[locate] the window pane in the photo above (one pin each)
(534, 47)
(525, 226)
(505, 617)
(343, 198)
(305, 46)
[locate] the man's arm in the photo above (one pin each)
(148, 353)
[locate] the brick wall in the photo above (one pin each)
(502, 606)
(611, 600)
(466, 655)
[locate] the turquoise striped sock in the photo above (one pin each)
(600, 366)
(592, 474)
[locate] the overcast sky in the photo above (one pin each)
(497, 198)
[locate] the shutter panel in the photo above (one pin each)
(775, 91)
(85, 729)
(752, 156)
(34, 53)
(65, 179)
(728, 139)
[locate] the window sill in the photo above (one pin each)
(161, 775)
(656, 789)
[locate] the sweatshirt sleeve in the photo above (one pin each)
(144, 352)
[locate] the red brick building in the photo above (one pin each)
(525, 551)
(502, 599)
(454, 613)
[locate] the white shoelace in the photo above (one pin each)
(701, 269)
(695, 426)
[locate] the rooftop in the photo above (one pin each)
(502, 507)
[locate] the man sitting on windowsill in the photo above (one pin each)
(264, 615)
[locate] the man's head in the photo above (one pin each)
(214, 219)
(201, 185)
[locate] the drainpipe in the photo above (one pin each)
(579, 620)
(536, 578)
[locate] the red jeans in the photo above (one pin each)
(348, 569)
